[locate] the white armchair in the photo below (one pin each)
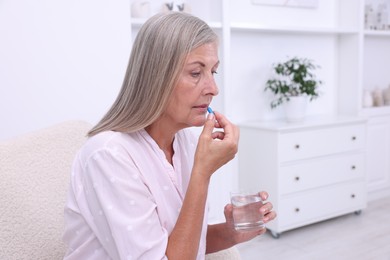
(34, 177)
(227, 254)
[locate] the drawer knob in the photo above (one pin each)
(297, 146)
(353, 196)
(353, 167)
(353, 138)
(297, 210)
(297, 178)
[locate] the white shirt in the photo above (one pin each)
(125, 197)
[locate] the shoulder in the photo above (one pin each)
(103, 140)
(108, 142)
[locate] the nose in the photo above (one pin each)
(210, 86)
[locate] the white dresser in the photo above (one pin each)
(313, 170)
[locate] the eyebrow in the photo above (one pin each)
(202, 64)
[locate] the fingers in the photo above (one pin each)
(269, 216)
(218, 135)
(264, 195)
(215, 149)
(267, 212)
(228, 212)
(221, 120)
(209, 125)
(266, 209)
(230, 130)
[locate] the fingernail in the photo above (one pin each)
(210, 116)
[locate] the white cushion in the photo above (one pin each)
(227, 254)
(34, 177)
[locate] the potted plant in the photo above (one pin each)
(295, 82)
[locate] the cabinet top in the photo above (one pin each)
(309, 122)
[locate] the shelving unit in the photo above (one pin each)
(376, 33)
(289, 30)
(332, 34)
(376, 64)
(253, 37)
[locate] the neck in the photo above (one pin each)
(163, 134)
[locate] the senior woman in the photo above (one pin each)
(139, 185)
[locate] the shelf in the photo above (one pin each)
(138, 22)
(376, 33)
(376, 111)
(314, 121)
(281, 29)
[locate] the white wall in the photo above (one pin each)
(59, 60)
(65, 59)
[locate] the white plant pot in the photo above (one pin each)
(295, 109)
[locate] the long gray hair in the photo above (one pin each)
(156, 61)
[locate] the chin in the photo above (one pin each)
(199, 122)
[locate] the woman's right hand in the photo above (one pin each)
(216, 148)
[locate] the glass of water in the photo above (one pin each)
(246, 211)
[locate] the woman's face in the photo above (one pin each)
(196, 87)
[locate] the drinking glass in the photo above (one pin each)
(246, 211)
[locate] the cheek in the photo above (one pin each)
(186, 98)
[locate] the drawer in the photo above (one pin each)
(320, 172)
(317, 205)
(313, 143)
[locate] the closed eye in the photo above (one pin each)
(195, 74)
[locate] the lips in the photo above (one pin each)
(202, 108)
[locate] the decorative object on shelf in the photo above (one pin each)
(368, 100)
(140, 9)
(369, 17)
(180, 7)
(168, 6)
(176, 6)
(376, 18)
(377, 95)
(294, 78)
(383, 17)
(386, 96)
(184, 7)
